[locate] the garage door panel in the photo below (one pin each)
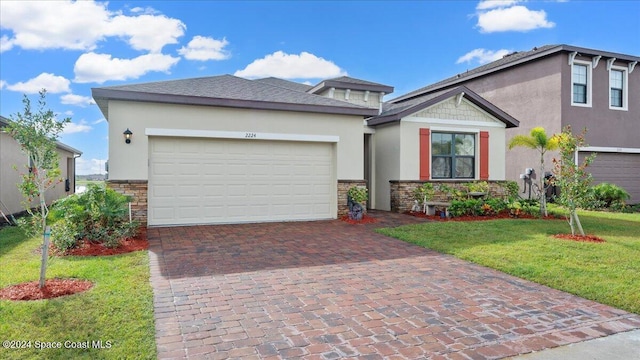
(193, 181)
(621, 169)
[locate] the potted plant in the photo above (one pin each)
(356, 196)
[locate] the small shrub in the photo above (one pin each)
(99, 215)
(457, 208)
(497, 205)
(64, 234)
(358, 194)
(478, 186)
(424, 192)
(609, 195)
(513, 189)
(469, 207)
(515, 208)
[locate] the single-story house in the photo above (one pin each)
(13, 162)
(224, 149)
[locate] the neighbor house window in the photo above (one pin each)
(617, 89)
(453, 156)
(581, 80)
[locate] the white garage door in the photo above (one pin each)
(213, 181)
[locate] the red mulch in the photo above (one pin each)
(366, 219)
(88, 248)
(585, 238)
(502, 215)
(52, 288)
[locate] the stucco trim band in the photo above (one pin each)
(610, 149)
(247, 135)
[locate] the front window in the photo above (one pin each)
(580, 84)
(617, 90)
(453, 156)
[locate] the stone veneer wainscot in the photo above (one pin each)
(402, 191)
(137, 189)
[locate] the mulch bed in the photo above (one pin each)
(53, 288)
(88, 248)
(580, 238)
(366, 219)
(61, 287)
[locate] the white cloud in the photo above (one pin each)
(482, 56)
(147, 32)
(99, 121)
(89, 166)
(79, 100)
(291, 66)
(2, 84)
(514, 18)
(5, 43)
(80, 25)
(146, 10)
(73, 128)
(52, 83)
(492, 4)
(92, 67)
(68, 113)
(205, 48)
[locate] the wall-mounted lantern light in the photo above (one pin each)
(127, 136)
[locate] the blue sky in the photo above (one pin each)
(70, 47)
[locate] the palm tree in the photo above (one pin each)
(537, 140)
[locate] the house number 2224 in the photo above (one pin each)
(250, 135)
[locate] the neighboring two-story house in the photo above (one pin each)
(558, 85)
(14, 162)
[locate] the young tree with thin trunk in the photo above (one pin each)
(37, 133)
(537, 140)
(572, 178)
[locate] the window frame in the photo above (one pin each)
(625, 88)
(453, 156)
(588, 66)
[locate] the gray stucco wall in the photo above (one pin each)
(12, 156)
(533, 95)
(539, 94)
(606, 127)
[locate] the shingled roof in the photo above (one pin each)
(510, 60)
(5, 122)
(228, 91)
(345, 82)
(285, 84)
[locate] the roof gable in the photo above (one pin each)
(393, 112)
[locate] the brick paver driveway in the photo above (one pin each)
(327, 290)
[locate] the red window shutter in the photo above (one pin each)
(425, 160)
(484, 155)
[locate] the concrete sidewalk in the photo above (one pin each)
(621, 346)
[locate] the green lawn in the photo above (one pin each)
(608, 273)
(88, 182)
(118, 309)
